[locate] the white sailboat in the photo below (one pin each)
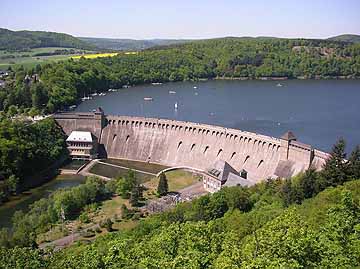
(176, 106)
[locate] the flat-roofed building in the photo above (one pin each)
(82, 145)
(221, 174)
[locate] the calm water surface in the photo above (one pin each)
(23, 201)
(317, 111)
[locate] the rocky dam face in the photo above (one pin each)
(176, 143)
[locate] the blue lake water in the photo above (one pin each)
(317, 111)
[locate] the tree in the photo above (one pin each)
(125, 212)
(335, 168)
(162, 188)
(134, 196)
(286, 192)
(354, 164)
(122, 188)
(12, 183)
(12, 110)
(4, 238)
(39, 96)
(18, 257)
(308, 183)
(339, 238)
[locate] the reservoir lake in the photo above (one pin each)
(317, 111)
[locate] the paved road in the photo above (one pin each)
(65, 241)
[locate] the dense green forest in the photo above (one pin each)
(130, 44)
(309, 221)
(26, 150)
(346, 38)
(25, 40)
(62, 84)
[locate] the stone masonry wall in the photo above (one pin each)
(175, 143)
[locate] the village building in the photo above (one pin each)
(82, 145)
(222, 174)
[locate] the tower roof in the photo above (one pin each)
(288, 136)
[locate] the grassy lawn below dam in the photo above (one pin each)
(136, 165)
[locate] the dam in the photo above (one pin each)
(198, 146)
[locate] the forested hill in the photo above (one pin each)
(64, 83)
(346, 38)
(130, 44)
(24, 40)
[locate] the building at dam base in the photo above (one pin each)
(193, 145)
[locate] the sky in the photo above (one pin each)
(147, 19)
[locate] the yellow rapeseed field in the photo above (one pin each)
(95, 55)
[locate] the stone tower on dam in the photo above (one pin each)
(176, 143)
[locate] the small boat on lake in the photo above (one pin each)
(176, 106)
(148, 99)
(172, 92)
(86, 98)
(279, 85)
(156, 83)
(195, 87)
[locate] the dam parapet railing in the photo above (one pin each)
(188, 127)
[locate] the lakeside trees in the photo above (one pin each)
(62, 205)
(25, 151)
(64, 83)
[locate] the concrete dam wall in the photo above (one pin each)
(176, 143)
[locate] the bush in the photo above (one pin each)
(84, 217)
(126, 213)
(108, 225)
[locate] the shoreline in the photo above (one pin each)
(285, 78)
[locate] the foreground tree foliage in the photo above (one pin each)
(63, 84)
(275, 224)
(313, 234)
